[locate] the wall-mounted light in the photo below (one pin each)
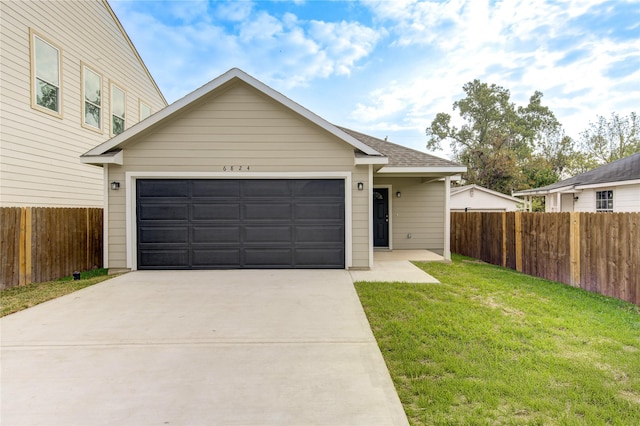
(398, 194)
(575, 198)
(360, 186)
(115, 185)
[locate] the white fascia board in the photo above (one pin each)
(110, 158)
(448, 171)
(371, 160)
(609, 184)
(211, 86)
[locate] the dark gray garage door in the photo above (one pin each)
(240, 223)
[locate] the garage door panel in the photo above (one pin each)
(266, 188)
(267, 211)
(213, 212)
(163, 235)
(267, 234)
(320, 234)
(157, 212)
(268, 257)
(163, 188)
(164, 259)
(319, 257)
(215, 189)
(215, 235)
(319, 211)
(318, 188)
(216, 258)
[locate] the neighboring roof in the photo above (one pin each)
(94, 155)
(133, 48)
(403, 159)
(625, 170)
(460, 189)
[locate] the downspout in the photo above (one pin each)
(447, 219)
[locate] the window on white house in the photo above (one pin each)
(145, 110)
(118, 108)
(46, 75)
(92, 93)
(604, 201)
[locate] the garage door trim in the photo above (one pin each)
(131, 197)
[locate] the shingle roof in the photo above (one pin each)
(400, 156)
(625, 169)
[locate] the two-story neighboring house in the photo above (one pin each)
(613, 187)
(70, 79)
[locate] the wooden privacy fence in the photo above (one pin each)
(43, 244)
(599, 252)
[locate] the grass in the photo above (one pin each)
(491, 346)
(18, 298)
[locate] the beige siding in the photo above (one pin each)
(238, 127)
(39, 153)
(419, 212)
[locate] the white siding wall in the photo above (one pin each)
(481, 201)
(419, 212)
(238, 127)
(626, 198)
(39, 153)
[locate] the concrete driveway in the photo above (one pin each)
(198, 347)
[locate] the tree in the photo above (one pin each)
(609, 140)
(497, 139)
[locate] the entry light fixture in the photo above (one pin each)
(398, 194)
(115, 185)
(360, 186)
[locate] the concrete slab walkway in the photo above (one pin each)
(198, 348)
(396, 266)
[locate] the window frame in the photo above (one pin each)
(83, 100)
(33, 74)
(112, 86)
(608, 199)
(142, 103)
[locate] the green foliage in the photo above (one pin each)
(498, 139)
(492, 346)
(610, 140)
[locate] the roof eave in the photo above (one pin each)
(371, 160)
(115, 157)
(444, 171)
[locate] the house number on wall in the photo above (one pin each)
(236, 168)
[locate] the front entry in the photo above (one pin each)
(381, 217)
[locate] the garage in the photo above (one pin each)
(240, 223)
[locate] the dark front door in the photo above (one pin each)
(381, 217)
(240, 223)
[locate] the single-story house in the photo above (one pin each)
(613, 187)
(236, 175)
(476, 198)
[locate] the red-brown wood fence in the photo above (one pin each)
(43, 244)
(599, 252)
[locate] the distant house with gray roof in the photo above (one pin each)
(614, 187)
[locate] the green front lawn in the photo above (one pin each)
(492, 346)
(18, 298)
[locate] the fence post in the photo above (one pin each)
(518, 240)
(574, 248)
(25, 274)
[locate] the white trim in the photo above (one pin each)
(130, 205)
(105, 219)
(609, 184)
(370, 214)
(461, 189)
(389, 188)
(448, 170)
(447, 219)
(109, 158)
(214, 84)
(371, 160)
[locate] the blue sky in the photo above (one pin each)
(386, 68)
